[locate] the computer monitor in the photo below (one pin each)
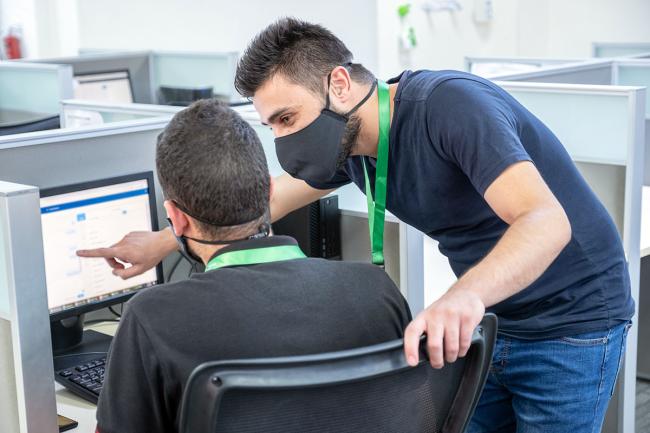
(85, 216)
(104, 87)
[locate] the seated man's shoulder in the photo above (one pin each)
(355, 272)
(162, 296)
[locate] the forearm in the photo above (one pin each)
(290, 194)
(524, 252)
(167, 241)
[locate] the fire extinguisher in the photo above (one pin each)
(12, 44)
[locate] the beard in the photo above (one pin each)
(350, 136)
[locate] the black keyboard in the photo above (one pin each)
(85, 380)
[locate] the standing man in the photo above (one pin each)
(458, 158)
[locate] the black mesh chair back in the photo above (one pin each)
(367, 390)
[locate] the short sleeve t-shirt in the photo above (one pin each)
(452, 135)
(286, 308)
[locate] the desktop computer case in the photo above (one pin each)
(316, 227)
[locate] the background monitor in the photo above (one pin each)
(90, 215)
(104, 87)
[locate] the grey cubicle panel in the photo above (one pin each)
(27, 403)
(597, 72)
(76, 112)
(602, 128)
(33, 87)
(490, 66)
(195, 69)
(138, 63)
(619, 49)
(636, 72)
(626, 72)
(53, 158)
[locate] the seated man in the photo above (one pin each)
(259, 296)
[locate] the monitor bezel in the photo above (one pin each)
(112, 71)
(119, 299)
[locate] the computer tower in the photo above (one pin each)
(316, 227)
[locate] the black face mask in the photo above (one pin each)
(313, 152)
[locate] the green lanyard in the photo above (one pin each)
(377, 207)
(255, 256)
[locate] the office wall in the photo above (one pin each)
(444, 38)
(21, 12)
(571, 26)
(532, 28)
(217, 25)
(554, 28)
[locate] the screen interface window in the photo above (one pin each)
(88, 219)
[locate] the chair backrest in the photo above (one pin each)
(371, 390)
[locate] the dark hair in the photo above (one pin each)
(302, 52)
(212, 164)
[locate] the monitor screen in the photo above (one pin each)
(104, 87)
(86, 216)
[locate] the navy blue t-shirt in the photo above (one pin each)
(452, 135)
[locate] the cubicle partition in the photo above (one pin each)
(599, 72)
(149, 70)
(53, 158)
(187, 69)
(27, 402)
(602, 127)
(493, 66)
(78, 113)
(619, 49)
(30, 94)
(621, 71)
(137, 63)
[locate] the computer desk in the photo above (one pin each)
(71, 406)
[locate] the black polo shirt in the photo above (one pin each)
(293, 307)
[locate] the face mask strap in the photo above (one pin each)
(264, 231)
(363, 101)
(356, 107)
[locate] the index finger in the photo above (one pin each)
(104, 253)
(414, 330)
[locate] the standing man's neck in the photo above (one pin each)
(369, 115)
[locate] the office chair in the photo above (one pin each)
(366, 390)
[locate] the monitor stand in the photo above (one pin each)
(71, 345)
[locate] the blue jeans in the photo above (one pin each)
(557, 385)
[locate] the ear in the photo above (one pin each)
(340, 85)
(180, 221)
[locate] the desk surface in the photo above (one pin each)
(68, 404)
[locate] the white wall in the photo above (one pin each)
(20, 13)
(217, 25)
(553, 28)
(445, 37)
(569, 27)
(535, 28)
